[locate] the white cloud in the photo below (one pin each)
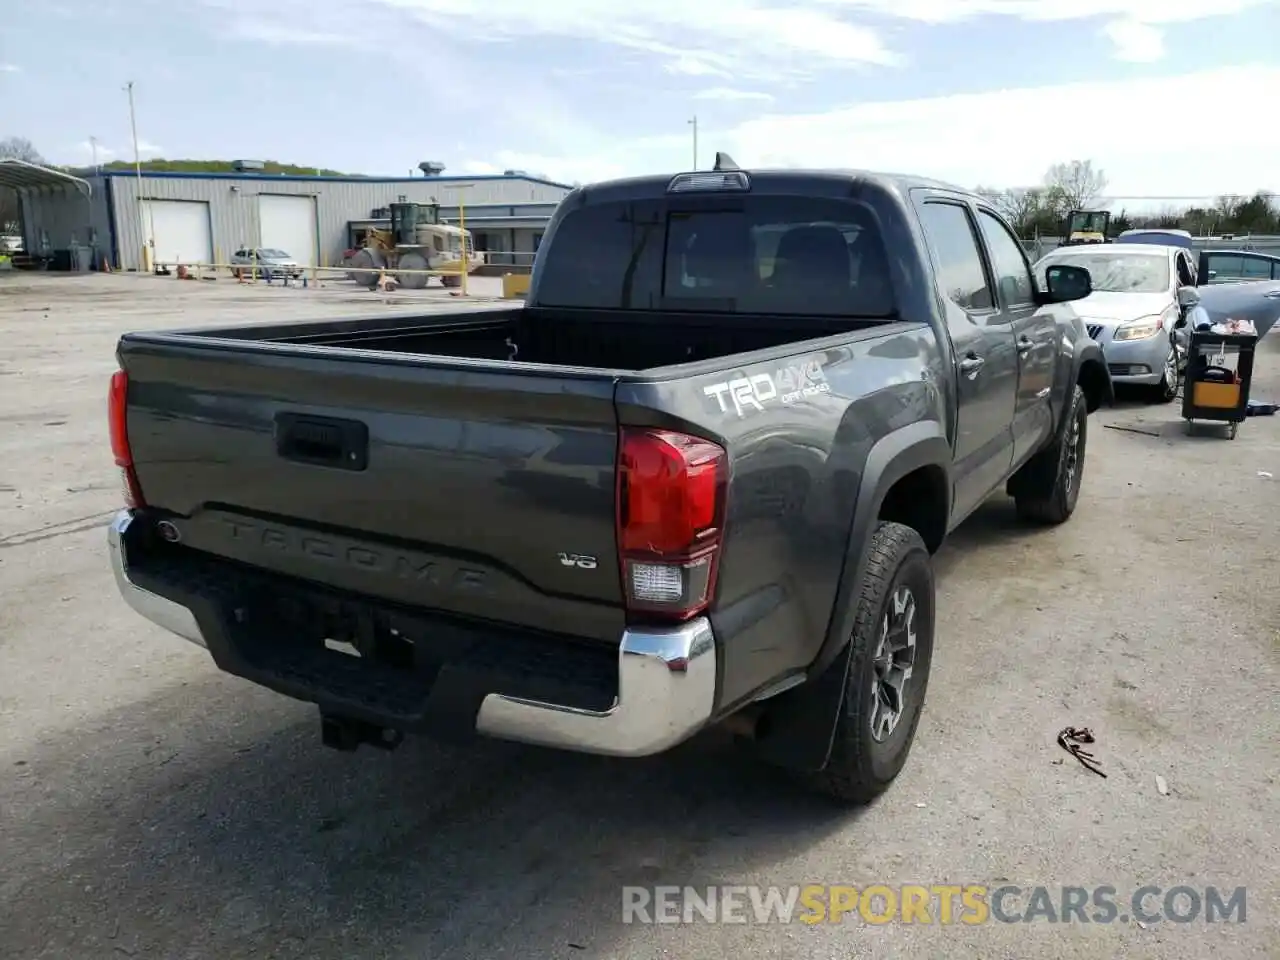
(103, 153)
(689, 66)
(1132, 25)
(1135, 42)
(772, 39)
(731, 93)
(107, 153)
(1123, 126)
(10, 68)
(481, 168)
(748, 39)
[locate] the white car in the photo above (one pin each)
(265, 262)
(1137, 311)
(1147, 298)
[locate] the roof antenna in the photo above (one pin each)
(725, 162)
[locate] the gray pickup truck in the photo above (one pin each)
(696, 478)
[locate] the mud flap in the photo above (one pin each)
(798, 727)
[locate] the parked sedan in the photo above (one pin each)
(1135, 311)
(1233, 284)
(268, 261)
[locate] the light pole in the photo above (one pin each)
(694, 123)
(93, 147)
(137, 169)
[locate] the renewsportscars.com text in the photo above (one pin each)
(943, 904)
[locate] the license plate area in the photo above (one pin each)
(280, 631)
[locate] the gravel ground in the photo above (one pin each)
(152, 807)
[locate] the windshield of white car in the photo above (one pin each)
(1116, 272)
(274, 254)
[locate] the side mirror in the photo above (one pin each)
(1188, 297)
(1066, 283)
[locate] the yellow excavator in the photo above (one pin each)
(416, 240)
(1087, 226)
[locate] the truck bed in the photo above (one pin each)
(571, 338)
(406, 460)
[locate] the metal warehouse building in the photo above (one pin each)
(206, 217)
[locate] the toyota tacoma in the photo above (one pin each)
(697, 477)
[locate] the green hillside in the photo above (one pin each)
(221, 166)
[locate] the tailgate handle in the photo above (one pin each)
(322, 441)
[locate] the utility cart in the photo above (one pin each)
(1219, 371)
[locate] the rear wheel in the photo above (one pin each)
(1047, 487)
(888, 669)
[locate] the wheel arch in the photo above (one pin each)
(1094, 380)
(906, 479)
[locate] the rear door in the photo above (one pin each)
(1257, 301)
(1239, 285)
(1034, 331)
(987, 375)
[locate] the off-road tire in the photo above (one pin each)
(1047, 487)
(860, 768)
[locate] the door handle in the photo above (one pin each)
(322, 441)
(1272, 295)
(1025, 343)
(971, 365)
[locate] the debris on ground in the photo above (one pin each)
(1072, 739)
(1146, 431)
(1256, 408)
(1265, 475)
(1162, 785)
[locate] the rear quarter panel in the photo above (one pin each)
(798, 429)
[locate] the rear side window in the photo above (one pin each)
(763, 255)
(1009, 263)
(961, 276)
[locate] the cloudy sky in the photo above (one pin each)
(1170, 97)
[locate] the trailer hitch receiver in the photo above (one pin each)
(347, 733)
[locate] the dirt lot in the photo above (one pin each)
(151, 807)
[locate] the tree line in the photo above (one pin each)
(1043, 210)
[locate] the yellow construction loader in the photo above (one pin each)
(1087, 226)
(416, 240)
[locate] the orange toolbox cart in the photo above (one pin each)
(1219, 370)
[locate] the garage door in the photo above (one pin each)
(180, 229)
(288, 224)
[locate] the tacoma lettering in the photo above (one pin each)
(402, 566)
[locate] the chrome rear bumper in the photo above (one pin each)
(666, 680)
(174, 617)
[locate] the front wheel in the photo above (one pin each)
(1167, 389)
(888, 669)
(1047, 487)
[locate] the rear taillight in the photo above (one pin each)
(118, 423)
(670, 503)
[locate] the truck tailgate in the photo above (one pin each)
(449, 486)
